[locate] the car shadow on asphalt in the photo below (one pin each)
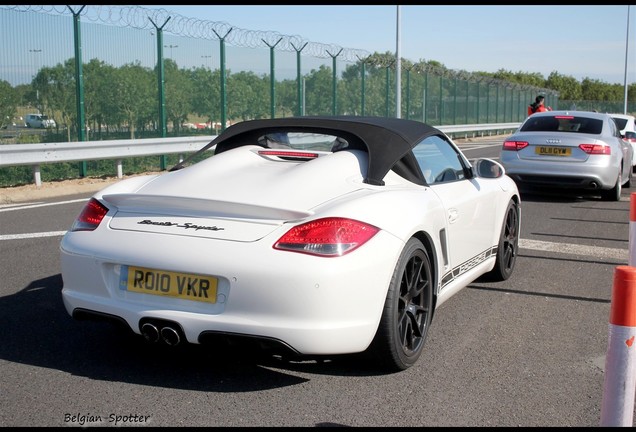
(38, 331)
(557, 196)
(536, 194)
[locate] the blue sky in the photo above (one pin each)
(578, 41)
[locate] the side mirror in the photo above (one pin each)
(488, 168)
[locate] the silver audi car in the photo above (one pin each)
(576, 150)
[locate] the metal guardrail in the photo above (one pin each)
(118, 150)
(473, 130)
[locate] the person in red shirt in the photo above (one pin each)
(538, 106)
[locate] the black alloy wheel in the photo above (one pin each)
(508, 245)
(408, 310)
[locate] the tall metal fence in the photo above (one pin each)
(598, 106)
(98, 70)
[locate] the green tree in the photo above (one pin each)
(248, 96)
(100, 96)
(318, 91)
(134, 89)
(178, 94)
(567, 86)
(594, 89)
(375, 89)
(530, 79)
(8, 104)
(206, 93)
(286, 98)
(350, 90)
(56, 89)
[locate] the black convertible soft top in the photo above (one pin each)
(388, 141)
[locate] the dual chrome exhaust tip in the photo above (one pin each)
(159, 332)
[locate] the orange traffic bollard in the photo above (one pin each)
(620, 362)
(632, 229)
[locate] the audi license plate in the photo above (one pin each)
(159, 282)
(553, 151)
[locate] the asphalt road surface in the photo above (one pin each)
(529, 351)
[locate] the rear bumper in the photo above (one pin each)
(597, 174)
(309, 305)
(561, 182)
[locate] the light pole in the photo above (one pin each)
(171, 46)
(37, 64)
(206, 57)
(37, 69)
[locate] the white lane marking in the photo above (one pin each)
(468, 147)
(32, 235)
(36, 205)
(2, 206)
(574, 249)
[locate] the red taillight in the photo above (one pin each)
(329, 237)
(596, 149)
(90, 217)
(288, 154)
(515, 145)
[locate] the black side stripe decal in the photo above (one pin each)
(467, 265)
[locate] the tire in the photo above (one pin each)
(613, 194)
(508, 245)
(407, 313)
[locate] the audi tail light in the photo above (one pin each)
(515, 145)
(596, 149)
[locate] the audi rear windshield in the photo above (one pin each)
(568, 123)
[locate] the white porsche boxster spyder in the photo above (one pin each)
(314, 236)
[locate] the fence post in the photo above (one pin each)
(37, 176)
(620, 362)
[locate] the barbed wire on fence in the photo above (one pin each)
(140, 17)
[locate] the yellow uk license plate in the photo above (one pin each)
(553, 151)
(164, 283)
